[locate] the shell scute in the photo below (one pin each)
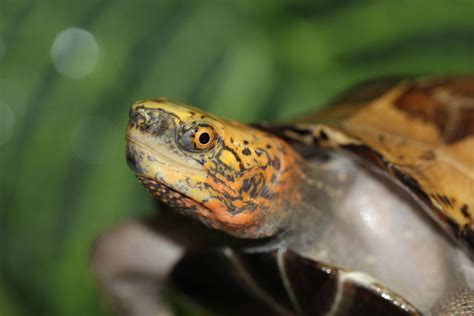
(421, 135)
(447, 104)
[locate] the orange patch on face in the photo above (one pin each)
(220, 213)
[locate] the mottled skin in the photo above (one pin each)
(310, 198)
(238, 182)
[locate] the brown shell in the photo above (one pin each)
(420, 133)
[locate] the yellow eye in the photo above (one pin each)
(198, 138)
(204, 137)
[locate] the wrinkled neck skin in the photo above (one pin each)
(355, 219)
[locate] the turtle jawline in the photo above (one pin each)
(163, 192)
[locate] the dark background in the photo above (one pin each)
(70, 69)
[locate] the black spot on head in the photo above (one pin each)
(192, 113)
(246, 186)
(269, 146)
(246, 152)
(246, 142)
(231, 140)
(276, 164)
(265, 193)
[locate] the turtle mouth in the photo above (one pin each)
(166, 178)
(136, 149)
(169, 196)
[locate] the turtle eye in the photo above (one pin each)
(198, 138)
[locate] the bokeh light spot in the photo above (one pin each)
(75, 53)
(7, 122)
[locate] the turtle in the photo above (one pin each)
(363, 208)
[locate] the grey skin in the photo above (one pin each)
(361, 222)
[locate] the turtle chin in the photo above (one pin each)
(167, 182)
(169, 196)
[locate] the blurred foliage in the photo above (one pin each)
(63, 178)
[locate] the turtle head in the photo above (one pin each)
(230, 176)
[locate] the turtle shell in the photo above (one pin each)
(419, 133)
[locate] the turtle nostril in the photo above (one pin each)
(142, 117)
(139, 117)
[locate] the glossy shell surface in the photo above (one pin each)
(419, 133)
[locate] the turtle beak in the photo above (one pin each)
(152, 150)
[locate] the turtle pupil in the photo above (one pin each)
(204, 138)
